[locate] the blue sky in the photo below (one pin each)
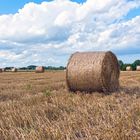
(48, 32)
(133, 13)
(12, 6)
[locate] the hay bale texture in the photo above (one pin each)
(14, 70)
(4, 69)
(138, 68)
(128, 68)
(93, 71)
(39, 69)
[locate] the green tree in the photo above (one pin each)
(135, 64)
(124, 67)
(121, 64)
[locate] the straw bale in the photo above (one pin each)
(138, 68)
(93, 71)
(128, 68)
(39, 69)
(4, 69)
(14, 70)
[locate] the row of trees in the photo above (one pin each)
(33, 67)
(133, 65)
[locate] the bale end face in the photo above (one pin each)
(110, 73)
(93, 71)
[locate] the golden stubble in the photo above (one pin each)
(38, 106)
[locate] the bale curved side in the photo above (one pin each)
(67, 81)
(92, 71)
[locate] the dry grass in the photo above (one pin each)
(39, 107)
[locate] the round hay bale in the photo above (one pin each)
(128, 68)
(14, 70)
(39, 69)
(4, 69)
(93, 71)
(138, 68)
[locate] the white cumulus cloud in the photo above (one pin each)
(43, 33)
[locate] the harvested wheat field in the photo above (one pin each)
(39, 107)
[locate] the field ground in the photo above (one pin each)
(37, 106)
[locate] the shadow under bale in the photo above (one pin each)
(131, 90)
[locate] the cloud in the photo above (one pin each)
(43, 33)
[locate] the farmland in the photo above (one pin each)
(38, 106)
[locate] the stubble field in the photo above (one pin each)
(38, 106)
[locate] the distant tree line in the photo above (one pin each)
(133, 65)
(33, 67)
